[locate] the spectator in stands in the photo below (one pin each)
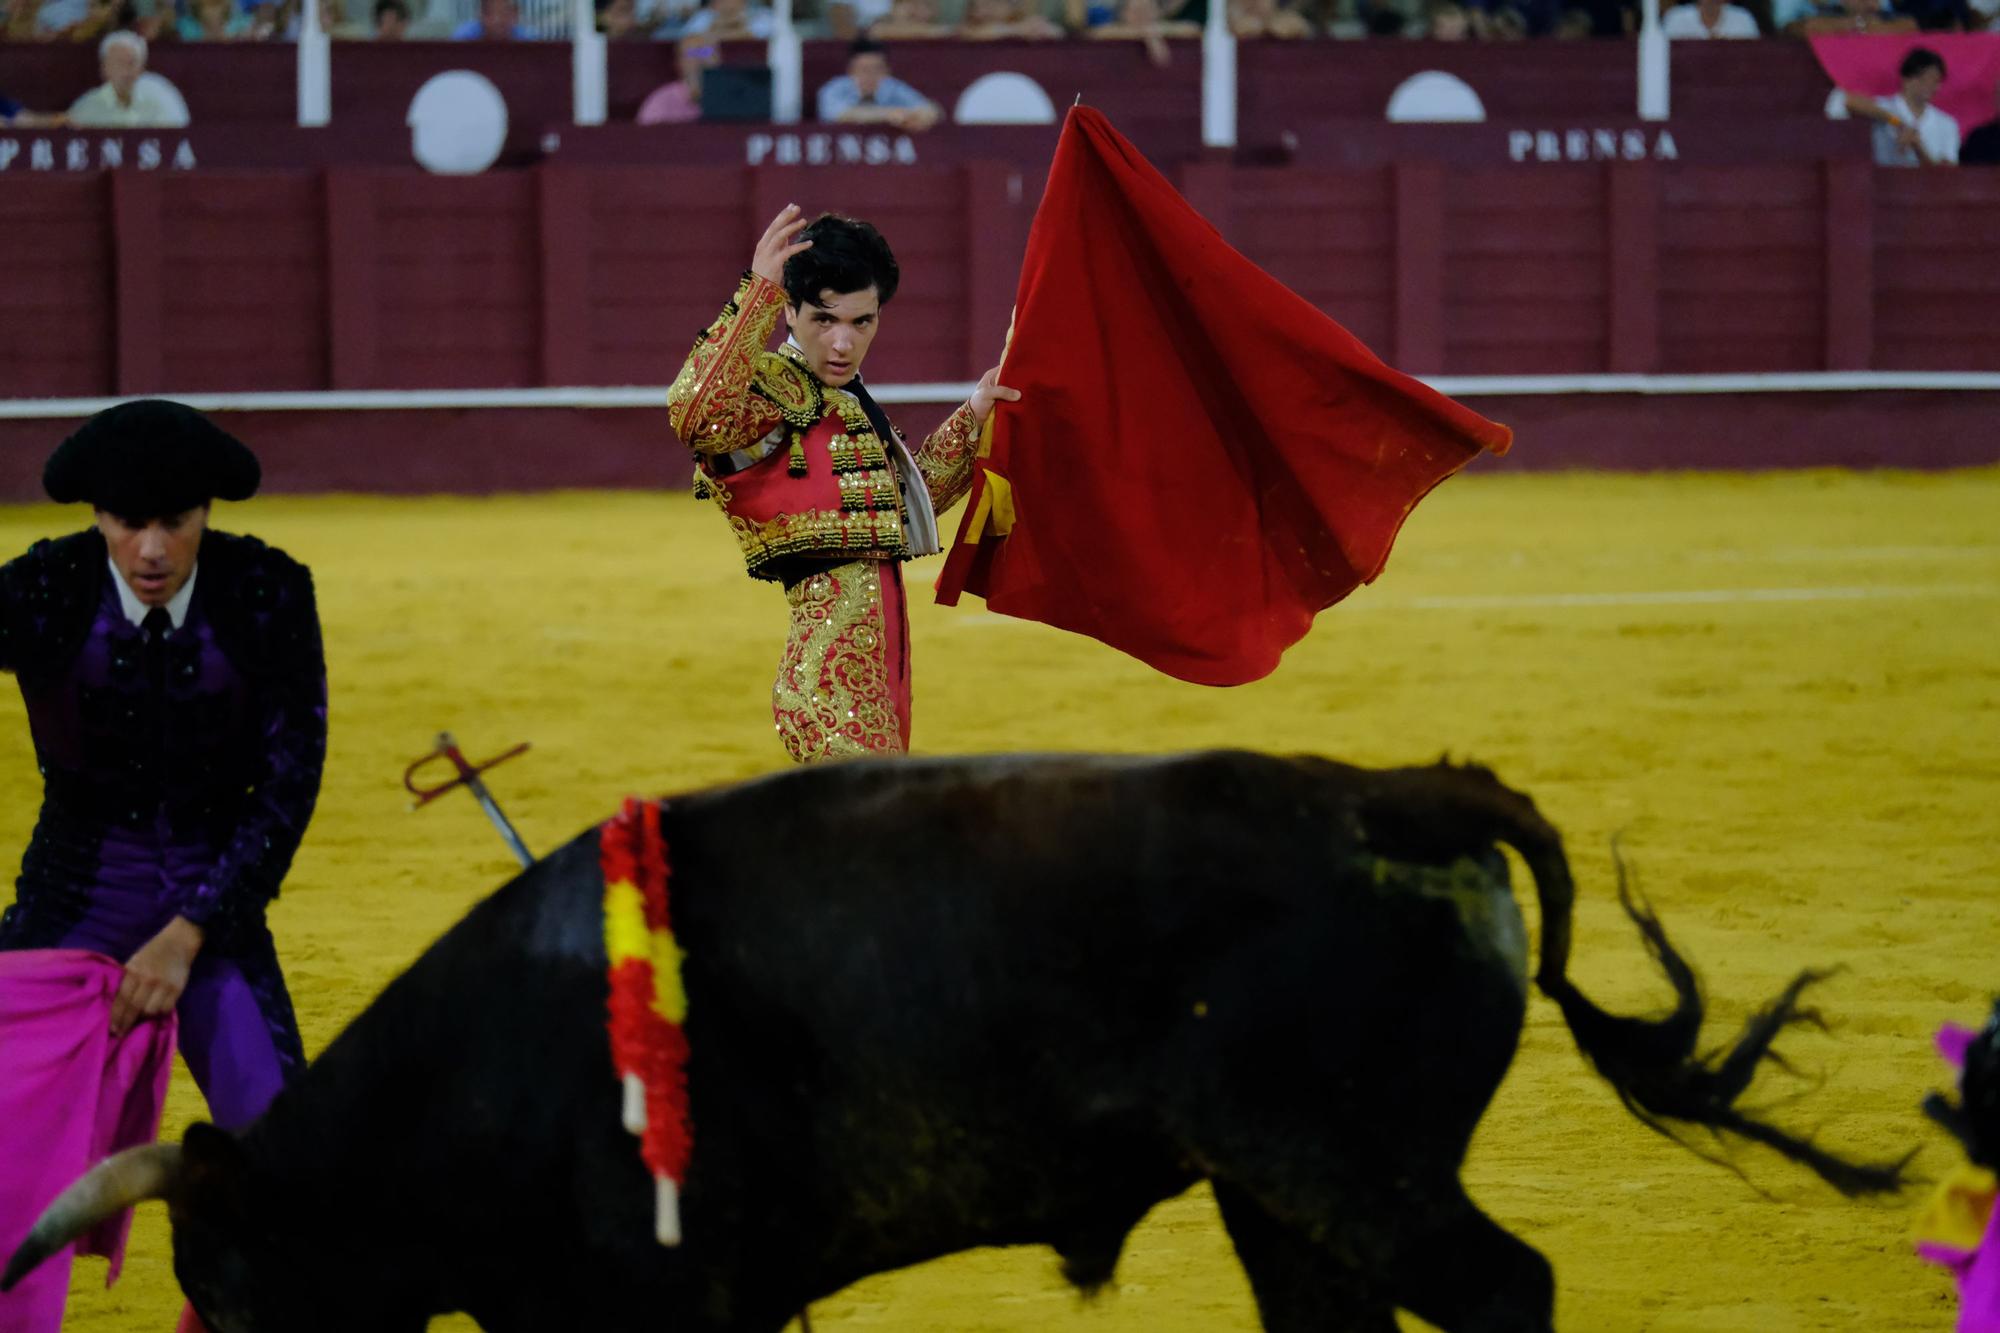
(618, 20)
(1941, 15)
(1384, 18)
(867, 95)
(392, 20)
(1267, 18)
(910, 19)
(678, 102)
(1982, 146)
(731, 21)
(126, 99)
(1707, 18)
(498, 21)
(990, 20)
(1449, 23)
(1141, 20)
(1909, 130)
(40, 20)
(332, 19)
(1087, 16)
(16, 116)
(848, 19)
(1851, 16)
(99, 18)
(214, 21)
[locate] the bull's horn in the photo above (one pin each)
(113, 1185)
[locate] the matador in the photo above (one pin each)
(823, 495)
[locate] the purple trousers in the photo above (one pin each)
(226, 1034)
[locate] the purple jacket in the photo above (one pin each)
(188, 770)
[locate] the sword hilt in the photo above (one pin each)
(466, 773)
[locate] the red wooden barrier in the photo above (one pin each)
(364, 278)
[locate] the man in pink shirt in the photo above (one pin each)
(680, 101)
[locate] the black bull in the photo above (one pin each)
(936, 1005)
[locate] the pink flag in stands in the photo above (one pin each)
(70, 1095)
(1867, 63)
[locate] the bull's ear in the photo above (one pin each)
(214, 1181)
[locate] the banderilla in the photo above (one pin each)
(468, 777)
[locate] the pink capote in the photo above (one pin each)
(70, 1095)
(1978, 1268)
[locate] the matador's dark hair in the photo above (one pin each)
(847, 255)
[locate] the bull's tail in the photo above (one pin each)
(1653, 1063)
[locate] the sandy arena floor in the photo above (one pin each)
(1782, 689)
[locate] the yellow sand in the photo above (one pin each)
(1803, 778)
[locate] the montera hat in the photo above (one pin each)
(150, 458)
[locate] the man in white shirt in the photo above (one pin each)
(125, 100)
(1706, 19)
(867, 95)
(1909, 130)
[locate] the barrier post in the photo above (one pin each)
(588, 56)
(787, 62)
(1218, 78)
(315, 77)
(1653, 64)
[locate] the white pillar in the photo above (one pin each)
(588, 56)
(1218, 78)
(787, 61)
(315, 68)
(1653, 64)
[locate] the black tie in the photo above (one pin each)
(158, 625)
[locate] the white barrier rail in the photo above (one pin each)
(655, 395)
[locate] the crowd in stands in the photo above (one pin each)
(1909, 129)
(983, 20)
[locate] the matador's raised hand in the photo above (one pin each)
(776, 245)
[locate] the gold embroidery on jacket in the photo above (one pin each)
(710, 403)
(833, 533)
(831, 699)
(946, 458)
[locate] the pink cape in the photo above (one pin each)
(70, 1095)
(1977, 1270)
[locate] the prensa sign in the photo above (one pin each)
(76, 152)
(829, 150)
(1595, 145)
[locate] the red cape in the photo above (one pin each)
(1201, 461)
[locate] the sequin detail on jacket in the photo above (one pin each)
(797, 466)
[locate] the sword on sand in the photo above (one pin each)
(469, 776)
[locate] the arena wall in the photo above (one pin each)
(383, 278)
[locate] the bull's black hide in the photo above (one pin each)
(943, 1004)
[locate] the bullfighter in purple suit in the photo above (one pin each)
(176, 690)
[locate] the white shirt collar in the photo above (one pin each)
(135, 610)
